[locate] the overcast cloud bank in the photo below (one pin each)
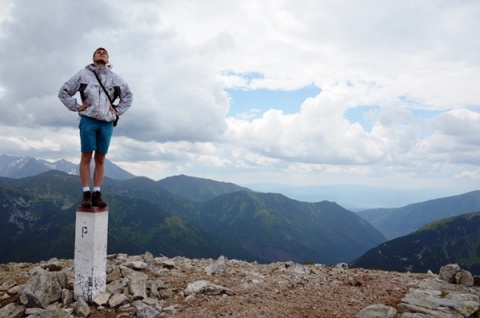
(397, 104)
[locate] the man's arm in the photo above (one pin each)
(68, 90)
(126, 99)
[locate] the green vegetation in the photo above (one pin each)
(398, 222)
(446, 241)
(39, 217)
(38, 222)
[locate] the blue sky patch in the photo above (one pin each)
(364, 115)
(425, 114)
(260, 100)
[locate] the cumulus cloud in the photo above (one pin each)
(180, 58)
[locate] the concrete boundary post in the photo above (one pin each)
(91, 231)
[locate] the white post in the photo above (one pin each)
(90, 252)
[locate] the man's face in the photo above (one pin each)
(100, 57)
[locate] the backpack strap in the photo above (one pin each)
(106, 93)
(103, 87)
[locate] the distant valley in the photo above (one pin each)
(447, 241)
(396, 222)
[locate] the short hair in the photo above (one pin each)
(100, 48)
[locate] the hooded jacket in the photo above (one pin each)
(85, 83)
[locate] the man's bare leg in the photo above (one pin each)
(99, 171)
(85, 168)
(98, 174)
(85, 178)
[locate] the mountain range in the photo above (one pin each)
(195, 217)
(38, 218)
(398, 222)
(38, 222)
(446, 241)
(353, 197)
(19, 167)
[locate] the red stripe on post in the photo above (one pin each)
(93, 209)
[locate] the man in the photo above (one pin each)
(97, 117)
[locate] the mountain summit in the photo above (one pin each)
(20, 167)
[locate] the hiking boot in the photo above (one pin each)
(97, 200)
(87, 199)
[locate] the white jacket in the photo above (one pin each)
(91, 92)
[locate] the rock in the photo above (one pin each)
(67, 297)
(12, 311)
(53, 265)
(443, 301)
(136, 265)
(125, 271)
(217, 267)
(148, 257)
(34, 311)
(142, 310)
(117, 286)
(14, 290)
(127, 307)
(117, 300)
(206, 288)
(298, 269)
(81, 308)
(178, 260)
(352, 281)
(36, 270)
(464, 278)
(157, 271)
(155, 303)
(113, 273)
(417, 315)
(50, 312)
(155, 286)
(447, 273)
(342, 265)
(165, 293)
(167, 263)
(102, 299)
(43, 289)
(8, 284)
(170, 310)
(453, 274)
(137, 285)
(111, 257)
(270, 290)
(476, 281)
(377, 311)
(121, 258)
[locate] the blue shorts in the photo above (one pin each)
(95, 135)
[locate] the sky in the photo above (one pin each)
(290, 93)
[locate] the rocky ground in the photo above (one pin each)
(245, 289)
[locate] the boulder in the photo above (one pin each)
(12, 311)
(206, 288)
(142, 310)
(43, 289)
(81, 308)
(453, 274)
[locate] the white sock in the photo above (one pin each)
(95, 189)
(85, 189)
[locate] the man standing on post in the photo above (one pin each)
(97, 117)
